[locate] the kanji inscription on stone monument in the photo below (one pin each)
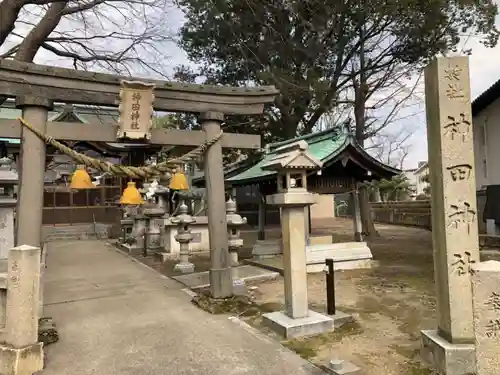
(486, 297)
(136, 110)
(493, 328)
(458, 127)
(454, 88)
(463, 263)
(453, 73)
(494, 301)
(460, 171)
(461, 214)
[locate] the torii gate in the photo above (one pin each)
(36, 87)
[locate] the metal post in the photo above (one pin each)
(330, 287)
(221, 283)
(262, 218)
(146, 239)
(309, 223)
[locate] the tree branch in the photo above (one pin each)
(9, 12)
(36, 37)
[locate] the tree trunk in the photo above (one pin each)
(360, 90)
(366, 213)
(9, 11)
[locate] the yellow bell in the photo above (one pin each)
(179, 182)
(131, 195)
(81, 179)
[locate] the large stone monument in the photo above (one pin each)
(486, 296)
(450, 348)
(292, 162)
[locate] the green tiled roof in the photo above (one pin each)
(323, 146)
(9, 113)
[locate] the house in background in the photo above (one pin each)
(421, 187)
(486, 131)
(409, 174)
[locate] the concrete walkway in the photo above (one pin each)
(116, 316)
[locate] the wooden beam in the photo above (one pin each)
(99, 132)
(80, 87)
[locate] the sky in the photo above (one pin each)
(484, 65)
(484, 71)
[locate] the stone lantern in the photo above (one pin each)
(234, 223)
(8, 183)
(292, 163)
(184, 237)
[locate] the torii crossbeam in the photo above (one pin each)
(37, 87)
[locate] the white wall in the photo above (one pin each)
(324, 206)
(486, 128)
(419, 184)
(410, 175)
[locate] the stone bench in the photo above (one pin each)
(263, 249)
(345, 255)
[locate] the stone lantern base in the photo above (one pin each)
(313, 324)
(186, 267)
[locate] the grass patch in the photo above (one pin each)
(307, 347)
(420, 371)
(232, 305)
(236, 305)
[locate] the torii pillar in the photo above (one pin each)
(28, 229)
(221, 282)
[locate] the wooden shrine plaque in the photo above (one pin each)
(136, 110)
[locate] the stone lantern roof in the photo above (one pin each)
(294, 156)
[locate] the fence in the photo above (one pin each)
(414, 213)
(65, 206)
(20, 351)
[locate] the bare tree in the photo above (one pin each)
(375, 71)
(110, 35)
(392, 148)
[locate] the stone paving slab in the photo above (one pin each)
(245, 273)
(117, 316)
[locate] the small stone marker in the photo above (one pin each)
(20, 351)
(23, 296)
(486, 295)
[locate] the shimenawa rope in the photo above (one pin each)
(120, 170)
